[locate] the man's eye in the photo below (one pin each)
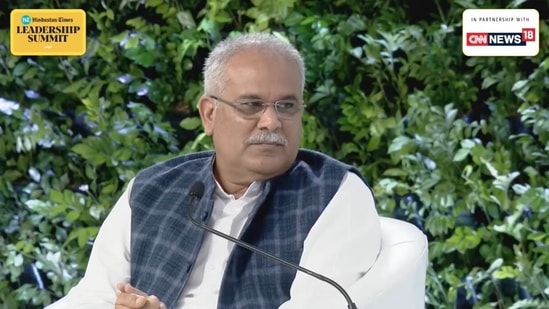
(286, 105)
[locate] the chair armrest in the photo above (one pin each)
(397, 278)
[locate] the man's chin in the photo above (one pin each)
(267, 170)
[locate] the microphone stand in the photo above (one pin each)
(195, 197)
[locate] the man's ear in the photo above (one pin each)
(206, 108)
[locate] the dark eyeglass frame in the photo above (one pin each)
(239, 107)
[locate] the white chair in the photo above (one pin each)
(397, 278)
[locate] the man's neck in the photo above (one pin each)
(236, 189)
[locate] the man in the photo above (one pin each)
(259, 186)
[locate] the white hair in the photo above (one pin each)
(214, 67)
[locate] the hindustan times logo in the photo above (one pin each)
(25, 20)
(52, 32)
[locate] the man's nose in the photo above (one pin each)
(269, 119)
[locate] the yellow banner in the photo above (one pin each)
(48, 32)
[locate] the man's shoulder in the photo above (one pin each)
(319, 162)
(314, 157)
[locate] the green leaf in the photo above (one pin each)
(96, 212)
(73, 87)
(518, 85)
(162, 9)
(131, 42)
(109, 188)
(122, 154)
(140, 56)
(394, 172)
(463, 239)
(506, 272)
(460, 155)
(110, 14)
(56, 196)
(399, 143)
(12, 175)
(468, 143)
(82, 238)
(190, 123)
(186, 19)
(496, 264)
(373, 143)
(84, 150)
(20, 69)
(153, 3)
(137, 23)
(18, 260)
(38, 206)
(72, 216)
(57, 210)
(30, 73)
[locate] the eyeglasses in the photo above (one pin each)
(255, 108)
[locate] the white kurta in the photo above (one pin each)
(342, 245)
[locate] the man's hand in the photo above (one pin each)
(128, 297)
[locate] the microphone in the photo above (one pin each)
(197, 191)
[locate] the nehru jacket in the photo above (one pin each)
(165, 244)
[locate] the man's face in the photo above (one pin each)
(254, 75)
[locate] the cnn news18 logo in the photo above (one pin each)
(505, 32)
(501, 39)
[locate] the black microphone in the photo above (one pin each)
(197, 191)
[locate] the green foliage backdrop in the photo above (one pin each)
(457, 145)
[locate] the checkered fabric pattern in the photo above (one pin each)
(165, 244)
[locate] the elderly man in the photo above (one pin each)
(259, 186)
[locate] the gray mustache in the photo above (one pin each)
(267, 138)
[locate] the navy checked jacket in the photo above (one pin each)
(164, 244)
